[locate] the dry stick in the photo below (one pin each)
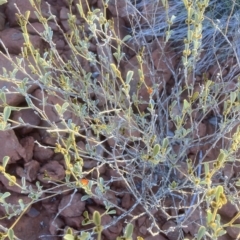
(195, 194)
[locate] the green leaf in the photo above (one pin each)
(209, 216)
(3, 196)
(127, 37)
(156, 149)
(6, 113)
(201, 232)
(97, 218)
(68, 237)
(84, 198)
(2, 2)
(129, 76)
(5, 161)
(3, 97)
(219, 190)
(112, 212)
(129, 231)
(186, 105)
(10, 234)
(165, 143)
(221, 156)
(58, 108)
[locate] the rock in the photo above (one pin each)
(11, 147)
(15, 188)
(158, 237)
(37, 28)
(28, 144)
(171, 227)
(13, 200)
(228, 210)
(51, 171)
(64, 13)
(56, 225)
(13, 98)
(127, 201)
(2, 20)
(74, 222)
(51, 205)
(33, 212)
(29, 117)
(13, 40)
(24, 6)
(30, 170)
(119, 8)
(49, 108)
(42, 154)
(233, 232)
(71, 205)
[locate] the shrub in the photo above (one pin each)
(154, 114)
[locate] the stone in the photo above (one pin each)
(51, 171)
(28, 144)
(13, 40)
(71, 205)
(24, 6)
(42, 154)
(8, 85)
(11, 147)
(31, 170)
(29, 117)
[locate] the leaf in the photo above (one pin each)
(127, 37)
(6, 113)
(219, 191)
(186, 105)
(129, 76)
(3, 2)
(156, 149)
(221, 156)
(97, 218)
(128, 231)
(209, 216)
(68, 237)
(165, 143)
(201, 232)
(112, 212)
(10, 234)
(58, 108)
(5, 161)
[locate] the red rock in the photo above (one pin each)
(11, 147)
(56, 225)
(2, 20)
(13, 98)
(171, 227)
(51, 171)
(28, 144)
(28, 116)
(71, 205)
(24, 6)
(13, 40)
(157, 237)
(42, 153)
(74, 222)
(31, 168)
